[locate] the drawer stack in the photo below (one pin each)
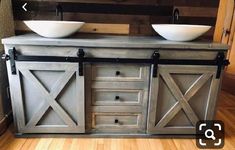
(118, 100)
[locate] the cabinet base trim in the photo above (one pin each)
(20, 135)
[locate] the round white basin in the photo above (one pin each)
(54, 29)
(178, 32)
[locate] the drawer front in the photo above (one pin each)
(118, 72)
(116, 122)
(116, 97)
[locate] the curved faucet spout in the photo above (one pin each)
(175, 15)
(59, 11)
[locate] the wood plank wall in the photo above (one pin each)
(132, 17)
(224, 33)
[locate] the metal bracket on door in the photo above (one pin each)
(81, 55)
(155, 59)
(221, 62)
(12, 58)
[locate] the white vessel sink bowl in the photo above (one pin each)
(54, 29)
(178, 32)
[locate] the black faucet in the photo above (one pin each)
(175, 15)
(59, 11)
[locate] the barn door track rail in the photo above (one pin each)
(220, 61)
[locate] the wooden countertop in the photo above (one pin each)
(107, 41)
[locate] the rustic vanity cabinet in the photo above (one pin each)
(112, 84)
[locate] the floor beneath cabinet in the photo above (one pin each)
(226, 112)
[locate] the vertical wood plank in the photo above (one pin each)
(228, 22)
(12, 90)
(232, 30)
(18, 100)
(222, 17)
(88, 91)
(231, 68)
(152, 106)
(212, 99)
(80, 94)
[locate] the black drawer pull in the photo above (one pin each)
(118, 73)
(116, 121)
(117, 97)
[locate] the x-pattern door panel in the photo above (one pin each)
(51, 98)
(179, 98)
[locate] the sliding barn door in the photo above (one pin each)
(180, 97)
(49, 98)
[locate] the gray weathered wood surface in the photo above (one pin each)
(112, 42)
(197, 54)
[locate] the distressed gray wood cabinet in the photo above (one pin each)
(123, 85)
